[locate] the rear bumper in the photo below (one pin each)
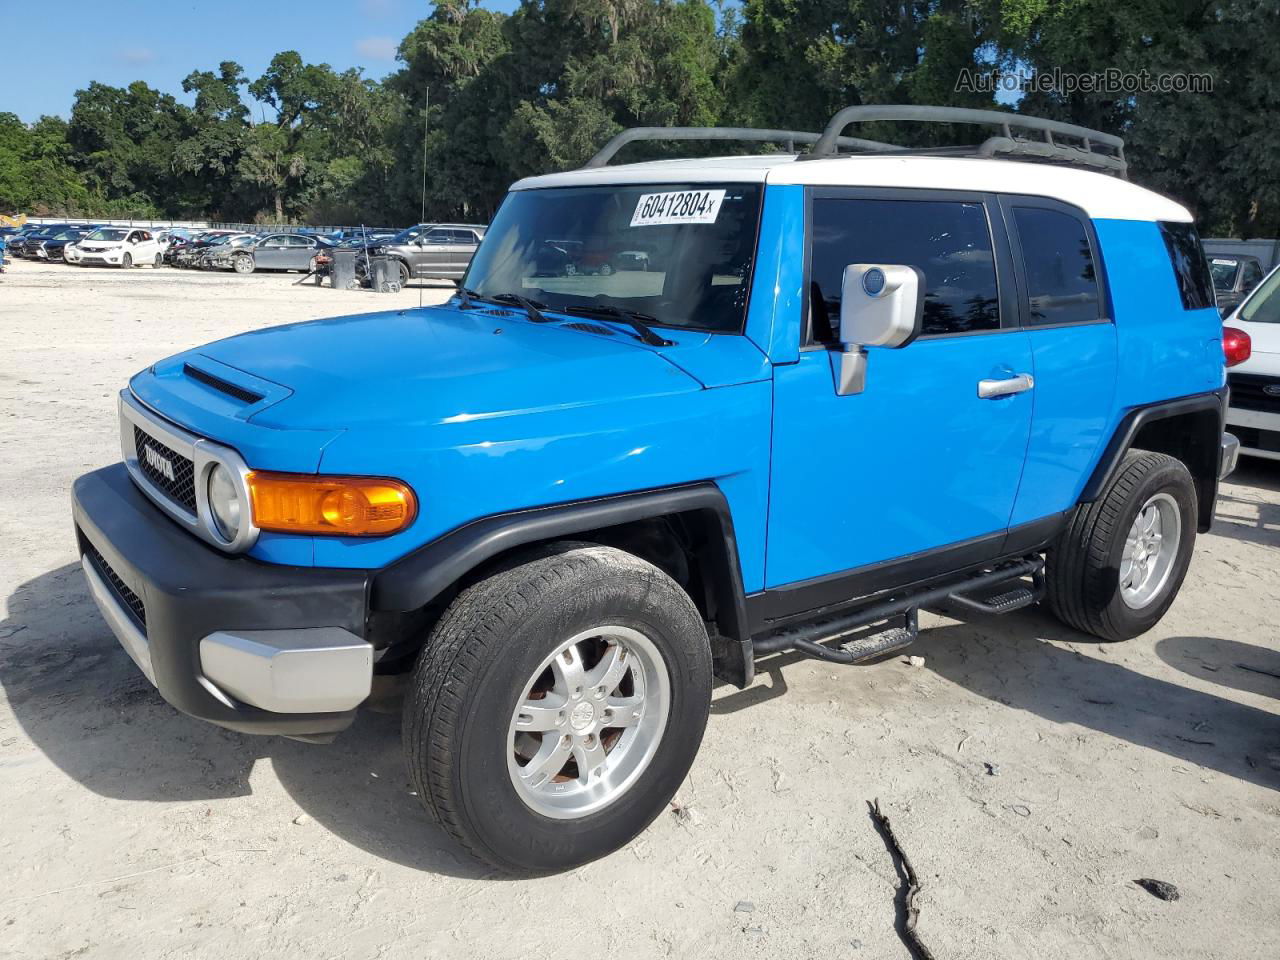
(1258, 430)
(254, 647)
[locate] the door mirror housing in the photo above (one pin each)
(881, 305)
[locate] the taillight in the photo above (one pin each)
(1236, 346)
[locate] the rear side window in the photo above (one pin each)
(1190, 268)
(949, 241)
(1062, 283)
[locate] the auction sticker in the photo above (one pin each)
(683, 206)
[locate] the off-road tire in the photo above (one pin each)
(474, 668)
(1082, 573)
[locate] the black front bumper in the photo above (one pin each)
(183, 591)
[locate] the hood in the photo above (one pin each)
(429, 366)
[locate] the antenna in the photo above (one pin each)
(426, 115)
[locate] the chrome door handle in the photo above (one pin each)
(989, 389)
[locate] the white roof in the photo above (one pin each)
(1100, 195)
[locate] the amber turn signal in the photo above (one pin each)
(338, 506)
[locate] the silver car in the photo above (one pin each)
(432, 250)
(279, 251)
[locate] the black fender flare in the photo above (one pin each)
(421, 576)
(1202, 452)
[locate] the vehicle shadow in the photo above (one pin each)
(1003, 662)
(82, 702)
(1228, 663)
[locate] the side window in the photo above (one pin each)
(464, 236)
(948, 240)
(1062, 284)
(1190, 267)
(439, 236)
(1252, 276)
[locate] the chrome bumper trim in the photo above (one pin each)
(311, 670)
(118, 619)
(1230, 455)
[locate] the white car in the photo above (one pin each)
(116, 247)
(1254, 413)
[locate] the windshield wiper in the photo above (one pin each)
(634, 319)
(531, 306)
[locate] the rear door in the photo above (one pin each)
(298, 252)
(919, 472)
(1067, 316)
(272, 252)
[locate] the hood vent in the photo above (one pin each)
(222, 386)
(590, 328)
(496, 312)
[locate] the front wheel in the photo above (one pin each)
(126, 261)
(402, 270)
(242, 265)
(1120, 563)
(557, 706)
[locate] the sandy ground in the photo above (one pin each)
(129, 830)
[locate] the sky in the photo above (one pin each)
(73, 42)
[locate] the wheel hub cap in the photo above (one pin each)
(588, 722)
(1150, 551)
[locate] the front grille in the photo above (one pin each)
(222, 386)
(181, 489)
(133, 603)
(1249, 392)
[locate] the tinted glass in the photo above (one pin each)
(1223, 271)
(949, 242)
(679, 253)
(440, 236)
(1264, 305)
(1061, 280)
(1190, 267)
(1252, 274)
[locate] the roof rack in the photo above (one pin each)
(1008, 142)
(1092, 148)
(787, 137)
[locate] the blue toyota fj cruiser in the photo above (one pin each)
(679, 415)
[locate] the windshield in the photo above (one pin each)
(108, 233)
(1264, 305)
(679, 253)
(1224, 272)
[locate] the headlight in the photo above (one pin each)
(224, 503)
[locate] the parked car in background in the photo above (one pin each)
(1234, 278)
(116, 247)
(183, 252)
(1254, 411)
(280, 251)
(54, 249)
(432, 250)
(217, 255)
(27, 241)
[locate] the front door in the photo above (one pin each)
(920, 461)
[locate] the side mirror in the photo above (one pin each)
(419, 241)
(881, 305)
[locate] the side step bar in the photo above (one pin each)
(809, 639)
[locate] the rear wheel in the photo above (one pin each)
(1122, 559)
(159, 261)
(557, 707)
